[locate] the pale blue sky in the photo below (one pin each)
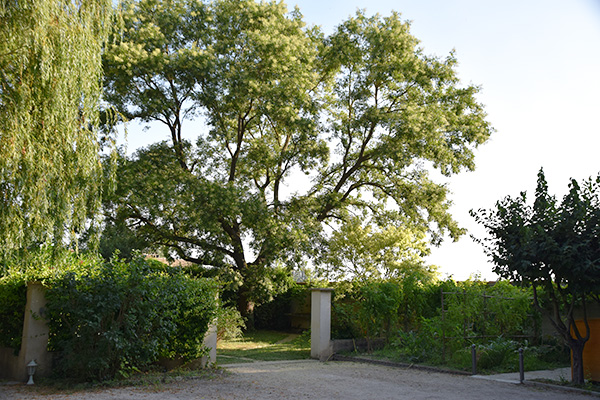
(538, 63)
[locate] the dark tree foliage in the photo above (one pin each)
(555, 247)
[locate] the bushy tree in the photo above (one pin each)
(363, 113)
(553, 246)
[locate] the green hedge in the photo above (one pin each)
(405, 309)
(110, 318)
(13, 295)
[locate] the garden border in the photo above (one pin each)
(393, 364)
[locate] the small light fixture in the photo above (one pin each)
(31, 371)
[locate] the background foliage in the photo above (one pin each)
(408, 315)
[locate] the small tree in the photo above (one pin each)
(554, 247)
(361, 249)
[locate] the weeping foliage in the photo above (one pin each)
(50, 70)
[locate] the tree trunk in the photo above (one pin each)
(577, 361)
(246, 308)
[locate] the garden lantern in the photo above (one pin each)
(31, 371)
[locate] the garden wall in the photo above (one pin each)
(591, 351)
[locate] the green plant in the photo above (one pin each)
(497, 353)
(230, 323)
(423, 346)
(13, 293)
(343, 311)
(118, 317)
(29, 265)
(474, 310)
(378, 308)
(553, 245)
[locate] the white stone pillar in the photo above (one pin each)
(34, 345)
(210, 341)
(320, 324)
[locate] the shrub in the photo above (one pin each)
(16, 269)
(423, 346)
(497, 353)
(344, 308)
(230, 323)
(118, 316)
(474, 309)
(13, 295)
(378, 308)
(107, 319)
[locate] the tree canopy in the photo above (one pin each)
(361, 249)
(50, 86)
(362, 114)
(555, 247)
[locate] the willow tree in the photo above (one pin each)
(50, 86)
(363, 113)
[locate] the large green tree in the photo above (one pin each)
(50, 86)
(554, 247)
(363, 114)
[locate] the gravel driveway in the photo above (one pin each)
(308, 379)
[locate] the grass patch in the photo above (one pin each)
(263, 346)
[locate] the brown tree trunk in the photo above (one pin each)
(246, 308)
(577, 361)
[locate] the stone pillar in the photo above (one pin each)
(34, 345)
(210, 341)
(320, 324)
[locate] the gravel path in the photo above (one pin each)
(308, 379)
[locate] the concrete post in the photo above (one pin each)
(210, 341)
(320, 324)
(34, 345)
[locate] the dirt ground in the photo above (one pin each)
(308, 379)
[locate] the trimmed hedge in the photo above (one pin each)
(13, 296)
(107, 319)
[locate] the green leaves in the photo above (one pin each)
(555, 247)
(392, 109)
(549, 241)
(363, 113)
(50, 85)
(118, 316)
(364, 251)
(108, 318)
